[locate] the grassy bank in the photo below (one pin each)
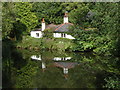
(29, 43)
(61, 44)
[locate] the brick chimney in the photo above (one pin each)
(66, 17)
(43, 24)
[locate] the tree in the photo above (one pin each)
(102, 32)
(52, 12)
(25, 15)
(8, 18)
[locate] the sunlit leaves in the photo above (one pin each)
(8, 18)
(103, 38)
(25, 15)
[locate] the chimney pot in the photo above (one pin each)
(43, 20)
(66, 17)
(43, 24)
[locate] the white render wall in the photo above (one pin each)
(33, 34)
(59, 35)
(56, 35)
(69, 36)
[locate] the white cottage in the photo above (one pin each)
(59, 30)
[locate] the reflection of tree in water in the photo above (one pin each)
(18, 30)
(18, 60)
(7, 64)
(27, 73)
(112, 82)
(48, 79)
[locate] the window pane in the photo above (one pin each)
(37, 34)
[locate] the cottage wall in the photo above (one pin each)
(69, 36)
(59, 35)
(36, 34)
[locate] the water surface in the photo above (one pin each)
(47, 69)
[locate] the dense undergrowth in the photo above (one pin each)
(60, 44)
(97, 44)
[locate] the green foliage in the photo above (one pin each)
(25, 75)
(18, 19)
(48, 33)
(83, 46)
(51, 11)
(112, 82)
(8, 18)
(94, 71)
(78, 16)
(100, 32)
(25, 15)
(29, 43)
(60, 44)
(45, 43)
(64, 44)
(106, 20)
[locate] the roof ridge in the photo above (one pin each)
(59, 26)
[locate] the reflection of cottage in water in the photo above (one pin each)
(59, 62)
(36, 57)
(65, 66)
(61, 58)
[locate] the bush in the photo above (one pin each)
(48, 33)
(61, 44)
(29, 42)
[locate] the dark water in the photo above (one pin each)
(46, 69)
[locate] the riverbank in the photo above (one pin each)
(59, 44)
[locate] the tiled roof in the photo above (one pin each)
(51, 26)
(47, 27)
(39, 29)
(63, 27)
(57, 28)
